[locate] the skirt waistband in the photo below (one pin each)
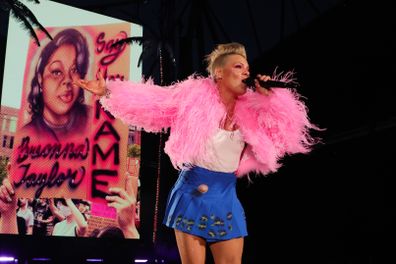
(216, 181)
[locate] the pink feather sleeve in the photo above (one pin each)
(278, 125)
(249, 163)
(144, 105)
(284, 119)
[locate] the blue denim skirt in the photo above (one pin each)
(216, 215)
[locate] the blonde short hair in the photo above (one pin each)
(217, 57)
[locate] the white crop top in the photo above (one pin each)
(227, 147)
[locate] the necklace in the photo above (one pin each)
(230, 117)
(65, 126)
(228, 122)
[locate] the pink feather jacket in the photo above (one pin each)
(272, 126)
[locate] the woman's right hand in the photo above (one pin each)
(124, 201)
(97, 87)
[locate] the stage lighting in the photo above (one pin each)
(8, 259)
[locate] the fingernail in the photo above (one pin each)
(9, 199)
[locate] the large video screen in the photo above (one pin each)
(73, 167)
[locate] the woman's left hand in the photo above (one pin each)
(259, 88)
(8, 200)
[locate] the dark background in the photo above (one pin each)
(333, 205)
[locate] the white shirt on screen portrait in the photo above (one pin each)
(65, 228)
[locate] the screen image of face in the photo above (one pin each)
(74, 168)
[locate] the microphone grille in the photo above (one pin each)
(249, 81)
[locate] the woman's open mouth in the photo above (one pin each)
(66, 97)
